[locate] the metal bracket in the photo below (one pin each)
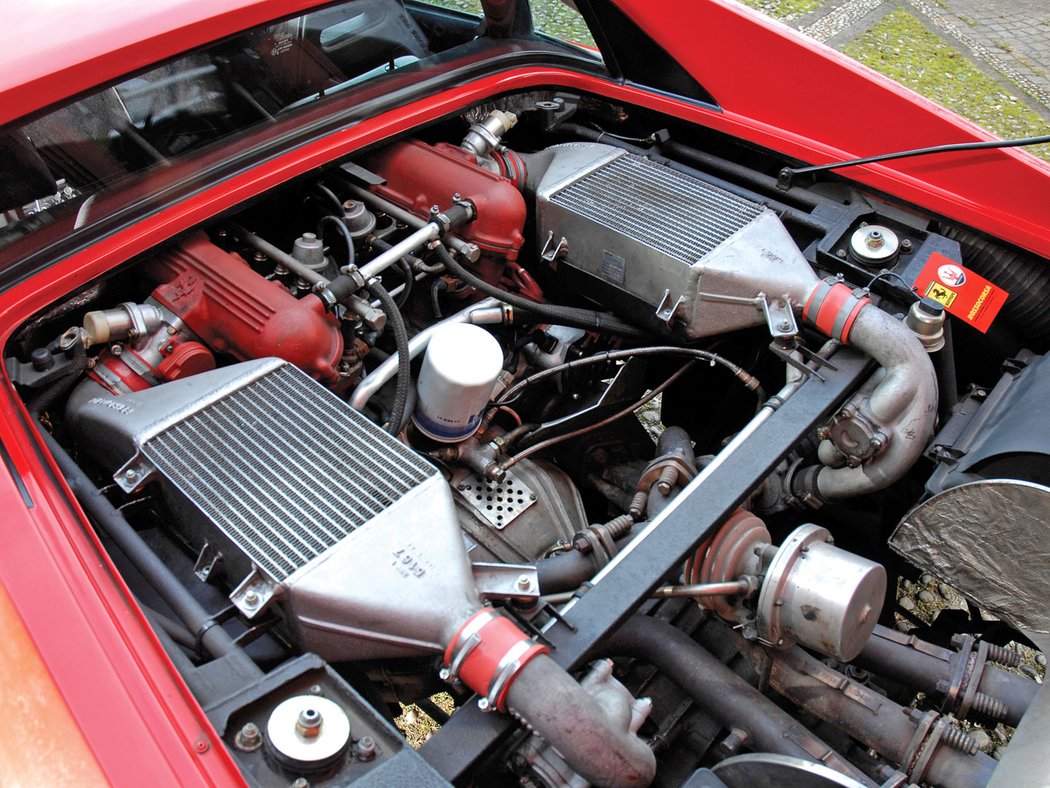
(552, 252)
(506, 581)
(253, 594)
(134, 473)
(780, 317)
(208, 559)
(666, 310)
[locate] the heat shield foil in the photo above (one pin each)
(991, 541)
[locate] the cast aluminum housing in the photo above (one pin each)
(298, 498)
(705, 259)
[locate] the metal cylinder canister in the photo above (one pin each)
(459, 372)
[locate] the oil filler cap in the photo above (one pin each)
(307, 733)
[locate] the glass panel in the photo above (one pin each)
(560, 19)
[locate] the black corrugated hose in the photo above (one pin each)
(1025, 278)
(562, 315)
(396, 322)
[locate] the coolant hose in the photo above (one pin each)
(398, 411)
(720, 692)
(562, 315)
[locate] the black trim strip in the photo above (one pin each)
(9, 461)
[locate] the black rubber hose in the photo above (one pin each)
(562, 315)
(344, 231)
(720, 692)
(398, 411)
(567, 571)
(213, 638)
(1025, 277)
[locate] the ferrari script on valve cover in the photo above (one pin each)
(327, 329)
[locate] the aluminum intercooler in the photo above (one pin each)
(296, 498)
(674, 242)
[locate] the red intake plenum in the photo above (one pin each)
(236, 311)
(420, 175)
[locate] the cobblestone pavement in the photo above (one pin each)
(1008, 39)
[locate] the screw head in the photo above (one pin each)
(366, 748)
(251, 598)
(484, 705)
(524, 583)
(249, 738)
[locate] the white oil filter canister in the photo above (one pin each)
(459, 372)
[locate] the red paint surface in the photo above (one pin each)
(420, 175)
(775, 90)
(57, 49)
(238, 312)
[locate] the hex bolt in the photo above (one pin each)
(366, 749)
(316, 689)
(248, 738)
(841, 254)
(299, 782)
(905, 245)
(667, 480)
(308, 724)
(251, 599)
(524, 583)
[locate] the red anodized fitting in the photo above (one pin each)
(487, 653)
(833, 308)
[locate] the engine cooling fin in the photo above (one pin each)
(672, 213)
(661, 246)
(297, 499)
(272, 493)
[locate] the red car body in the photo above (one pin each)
(87, 693)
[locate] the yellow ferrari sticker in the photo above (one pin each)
(940, 293)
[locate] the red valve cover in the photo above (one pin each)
(420, 175)
(236, 311)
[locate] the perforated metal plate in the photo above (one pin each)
(496, 503)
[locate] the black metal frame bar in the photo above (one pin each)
(701, 508)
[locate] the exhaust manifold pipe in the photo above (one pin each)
(894, 416)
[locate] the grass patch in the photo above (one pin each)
(902, 48)
(783, 9)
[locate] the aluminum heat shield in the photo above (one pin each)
(295, 497)
(989, 540)
(697, 254)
